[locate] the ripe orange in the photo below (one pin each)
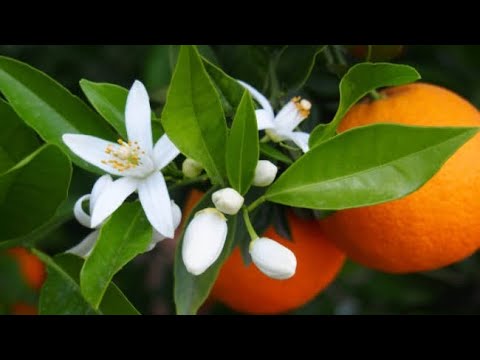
(31, 267)
(438, 224)
(21, 308)
(248, 290)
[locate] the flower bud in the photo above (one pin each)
(227, 200)
(191, 168)
(265, 173)
(204, 240)
(272, 258)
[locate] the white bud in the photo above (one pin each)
(273, 259)
(191, 168)
(204, 240)
(177, 217)
(265, 173)
(227, 200)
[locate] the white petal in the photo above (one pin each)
(264, 119)
(288, 117)
(273, 259)
(85, 247)
(100, 185)
(265, 173)
(227, 200)
(164, 152)
(153, 194)
(111, 199)
(91, 149)
(81, 216)
(262, 100)
(300, 139)
(177, 217)
(137, 117)
(204, 240)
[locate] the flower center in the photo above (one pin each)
(303, 106)
(124, 157)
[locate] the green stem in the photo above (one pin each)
(248, 223)
(376, 95)
(337, 50)
(256, 203)
(186, 182)
(369, 53)
(265, 139)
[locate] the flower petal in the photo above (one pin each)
(81, 216)
(204, 240)
(111, 198)
(300, 138)
(177, 217)
(264, 119)
(153, 194)
(262, 100)
(288, 117)
(91, 149)
(138, 117)
(164, 152)
(85, 247)
(100, 185)
(273, 259)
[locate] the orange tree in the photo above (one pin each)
(247, 133)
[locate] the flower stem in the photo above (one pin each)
(186, 182)
(376, 95)
(248, 224)
(256, 203)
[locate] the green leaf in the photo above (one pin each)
(32, 190)
(61, 293)
(230, 90)
(109, 100)
(16, 139)
(242, 146)
(367, 165)
(49, 108)
(274, 154)
(358, 82)
(193, 117)
(124, 236)
(296, 63)
(191, 291)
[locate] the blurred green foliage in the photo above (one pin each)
(357, 290)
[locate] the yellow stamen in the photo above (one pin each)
(303, 106)
(124, 157)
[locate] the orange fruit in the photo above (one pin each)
(31, 267)
(435, 226)
(246, 289)
(23, 309)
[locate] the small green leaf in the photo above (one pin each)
(190, 291)
(32, 190)
(124, 236)
(358, 82)
(242, 146)
(274, 154)
(16, 139)
(193, 117)
(296, 63)
(49, 108)
(367, 165)
(61, 293)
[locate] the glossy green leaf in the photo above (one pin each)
(124, 236)
(358, 82)
(191, 291)
(296, 63)
(230, 90)
(193, 117)
(48, 107)
(16, 139)
(242, 146)
(367, 165)
(61, 293)
(274, 154)
(32, 190)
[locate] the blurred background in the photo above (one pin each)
(147, 281)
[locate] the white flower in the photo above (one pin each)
(272, 258)
(85, 247)
(137, 162)
(191, 168)
(281, 127)
(204, 240)
(227, 200)
(265, 173)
